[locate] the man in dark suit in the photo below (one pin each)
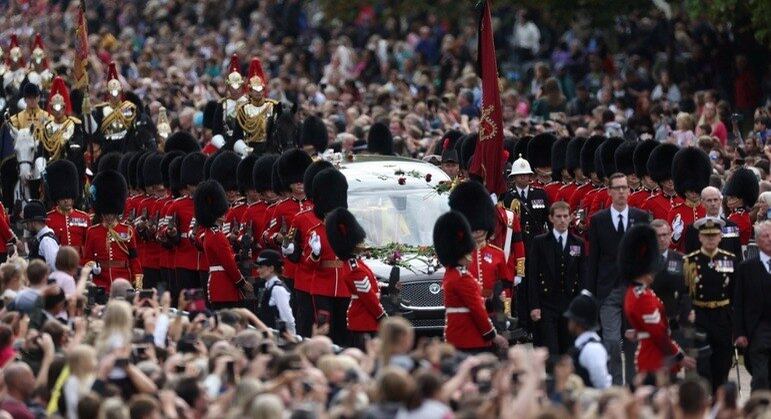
(752, 309)
(712, 200)
(606, 228)
(555, 267)
(669, 283)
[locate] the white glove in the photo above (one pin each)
(97, 269)
(288, 249)
(241, 148)
(218, 141)
(677, 227)
(517, 280)
(315, 243)
(40, 167)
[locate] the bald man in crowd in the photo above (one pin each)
(19, 384)
(712, 199)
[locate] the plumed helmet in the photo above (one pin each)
(165, 162)
(244, 173)
(191, 172)
(110, 192)
(262, 171)
(539, 150)
(343, 232)
(691, 169)
(624, 157)
(472, 200)
(660, 162)
(587, 154)
(743, 184)
(109, 161)
(210, 203)
(314, 133)
(224, 170)
(292, 165)
(153, 173)
(380, 140)
(61, 178)
(331, 190)
(642, 152)
(608, 155)
(559, 152)
(182, 141)
(310, 174)
(452, 238)
(638, 253)
(573, 155)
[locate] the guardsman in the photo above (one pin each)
(116, 119)
(558, 169)
(709, 275)
(226, 287)
(255, 117)
(642, 152)
(573, 169)
(638, 261)
(624, 159)
(346, 237)
(607, 161)
(691, 169)
(247, 251)
(166, 259)
(68, 223)
(7, 236)
(530, 203)
(281, 192)
(224, 169)
(39, 71)
(590, 171)
(256, 213)
(741, 192)
(150, 217)
(223, 120)
(111, 246)
(135, 191)
(314, 136)
(540, 157)
(467, 325)
(61, 137)
(660, 170)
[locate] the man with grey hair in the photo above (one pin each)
(712, 199)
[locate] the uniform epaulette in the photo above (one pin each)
(304, 211)
(75, 120)
(694, 253)
(494, 247)
(719, 250)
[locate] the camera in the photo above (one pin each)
(737, 117)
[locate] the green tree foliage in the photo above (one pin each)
(743, 15)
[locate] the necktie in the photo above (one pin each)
(562, 246)
(768, 262)
(522, 194)
(620, 227)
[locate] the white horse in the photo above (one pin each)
(25, 145)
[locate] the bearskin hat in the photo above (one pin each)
(124, 167)
(314, 133)
(165, 162)
(660, 162)
(61, 178)
(638, 252)
(508, 145)
(452, 238)
(640, 157)
(331, 190)
(109, 161)
(473, 201)
(587, 154)
(191, 172)
(110, 192)
(133, 169)
(573, 155)
(175, 174)
(467, 148)
(448, 142)
(691, 169)
(743, 184)
(380, 140)
(292, 165)
(152, 169)
(140, 173)
(539, 150)
(210, 202)
(623, 157)
(310, 174)
(520, 147)
(276, 183)
(559, 152)
(209, 114)
(207, 164)
(608, 155)
(244, 173)
(343, 232)
(224, 170)
(182, 141)
(261, 172)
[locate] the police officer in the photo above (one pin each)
(527, 201)
(44, 245)
(589, 355)
(275, 303)
(709, 274)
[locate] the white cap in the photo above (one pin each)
(520, 167)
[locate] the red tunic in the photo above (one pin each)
(637, 198)
(488, 265)
(130, 209)
(115, 250)
(223, 270)
(327, 268)
(233, 216)
(742, 219)
(185, 253)
(282, 216)
(303, 223)
(647, 316)
(599, 201)
(151, 250)
(467, 325)
(552, 190)
(70, 229)
(253, 218)
(688, 215)
(578, 195)
(166, 258)
(365, 310)
(504, 221)
(566, 191)
(659, 205)
(6, 234)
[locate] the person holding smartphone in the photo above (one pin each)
(275, 307)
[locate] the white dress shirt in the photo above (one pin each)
(764, 258)
(614, 217)
(564, 236)
(279, 298)
(594, 358)
(48, 247)
(523, 192)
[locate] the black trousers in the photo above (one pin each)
(359, 340)
(337, 308)
(305, 314)
(151, 279)
(187, 279)
(551, 332)
(715, 365)
(758, 355)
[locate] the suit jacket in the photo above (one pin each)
(602, 272)
(749, 296)
(554, 276)
(730, 242)
(533, 211)
(669, 286)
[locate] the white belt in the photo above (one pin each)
(216, 268)
(354, 297)
(457, 310)
(184, 235)
(643, 335)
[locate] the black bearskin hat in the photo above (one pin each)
(276, 183)
(452, 238)
(608, 155)
(261, 172)
(473, 201)
(175, 175)
(587, 154)
(210, 203)
(573, 155)
(691, 169)
(124, 167)
(61, 178)
(539, 150)
(109, 161)
(191, 172)
(110, 192)
(641, 154)
(207, 164)
(743, 184)
(380, 140)
(638, 252)
(343, 232)
(624, 157)
(314, 133)
(244, 173)
(448, 142)
(182, 141)
(209, 113)
(224, 170)
(153, 174)
(520, 147)
(140, 173)
(132, 170)
(559, 152)
(168, 157)
(467, 149)
(310, 174)
(660, 162)
(331, 190)
(292, 165)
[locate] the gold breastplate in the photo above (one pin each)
(253, 119)
(116, 122)
(55, 137)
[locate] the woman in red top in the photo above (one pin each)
(226, 286)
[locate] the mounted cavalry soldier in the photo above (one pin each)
(255, 117)
(221, 115)
(117, 118)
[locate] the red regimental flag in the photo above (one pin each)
(81, 50)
